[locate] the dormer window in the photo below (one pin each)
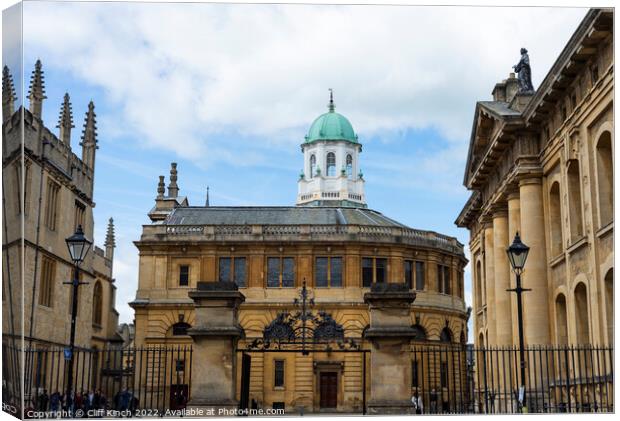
(312, 166)
(349, 168)
(331, 164)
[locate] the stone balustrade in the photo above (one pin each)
(349, 232)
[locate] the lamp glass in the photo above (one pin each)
(78, 245)
(517, 254)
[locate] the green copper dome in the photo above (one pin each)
(331, 126)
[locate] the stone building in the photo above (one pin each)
(49, 189)
(330, 242)
(541, 163)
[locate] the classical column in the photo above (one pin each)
(390, 334)
(503, 319)
(514, 226)
(535, 302)
(215, 337)
(489, 282)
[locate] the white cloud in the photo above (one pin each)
(180, 74)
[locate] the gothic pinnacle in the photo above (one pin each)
(89, 136)
(36, 93)
(110, 240)
(8, 94)
(207, 202)
(65, 120)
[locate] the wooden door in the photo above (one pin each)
(329, 389)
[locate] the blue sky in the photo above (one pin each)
(228, 92)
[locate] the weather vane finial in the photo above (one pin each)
(331, 100)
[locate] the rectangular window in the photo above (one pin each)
(48, 273)
(278, 378)
(420, 275)
(280, 272)
(328, 271)
(446, 279)
(184, 275)
(232, 269)
(414, 374)
(78, 216)
(367, 272)
(408, 269)
(374, 269)
(444, 374)
(443, 279)
(51, 209)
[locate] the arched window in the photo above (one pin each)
(331, 164)
(446, 335)
(349, 166)
(312, 166)
(609, 305)
(555, 219)
(581, 314)
(180, 328)
(479, 295)
(420, 333)
(574, 200)
(561, 326)
(605, 178)
(97, 303)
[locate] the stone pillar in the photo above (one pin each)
(215, 334)
(503, 321)
(390, 334)
(489, 283)
(535, 302)
(514, 225)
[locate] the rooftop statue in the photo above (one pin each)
(525, 73)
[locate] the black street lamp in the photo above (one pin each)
(517, 254)
(78, 246)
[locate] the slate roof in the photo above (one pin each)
(499, 108)
(278, 215)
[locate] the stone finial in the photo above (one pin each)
(89, 137)
(110, 240)
(173, 188)
(65, 120)
(207, 201)
(8, 94)
(36, 93)
(161, 187)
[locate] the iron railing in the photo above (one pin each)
(446, 378)
(156, 379)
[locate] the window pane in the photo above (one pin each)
(224, 269)
(183, 275)
(439, 278)
(288, 272)
(279, 373)
(419, 276)
(408, 273)
(444, 374)
(414, 373)
(336, 271)
(366, 271)
(446, 279)
(331, 164)
(321, 272)
(240, 271)
(273, 272)
(381, 270)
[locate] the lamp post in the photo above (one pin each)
(78, 246)
(517, 254)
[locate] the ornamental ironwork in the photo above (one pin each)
(304, 329)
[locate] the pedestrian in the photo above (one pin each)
(433, 399)
(42, 401)
(418, 404)
(55, 402)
